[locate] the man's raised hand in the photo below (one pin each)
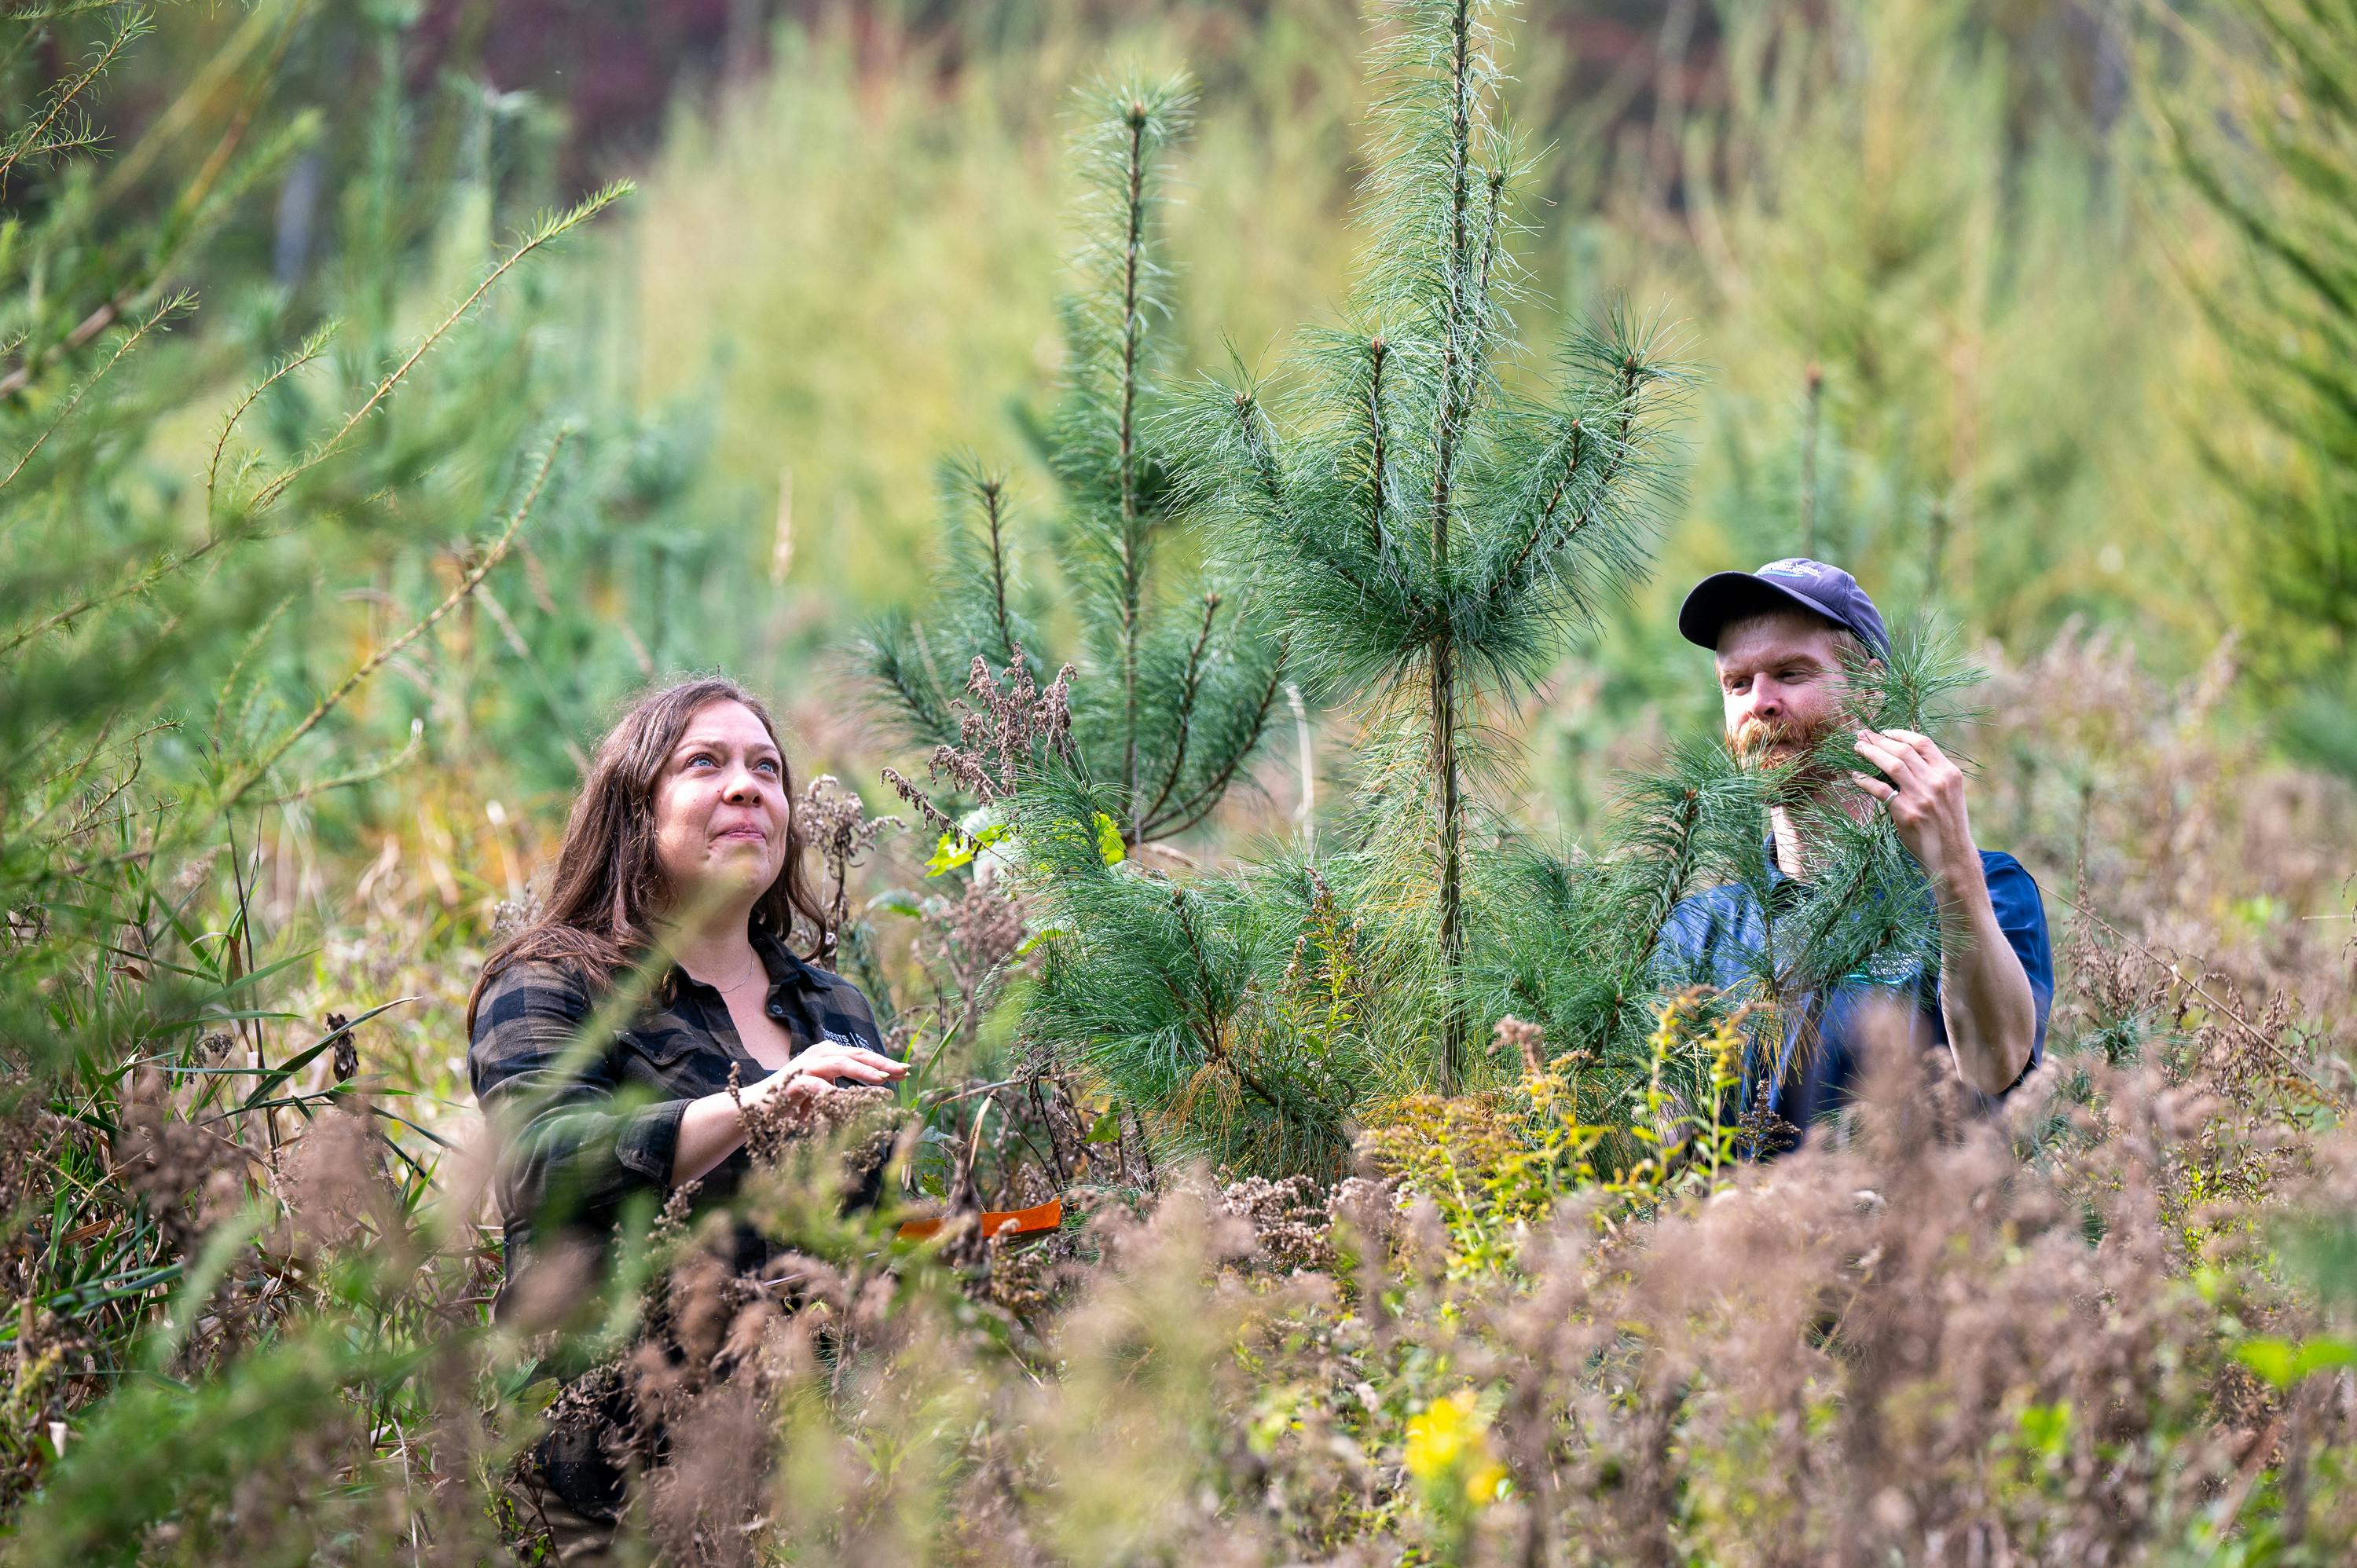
(1925, 798)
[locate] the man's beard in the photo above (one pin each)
(1761, 743)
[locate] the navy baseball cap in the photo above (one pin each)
(1795, 582)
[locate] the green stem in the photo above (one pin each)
(1190, 685)
(992, 493)
(1131, 552)
(1446, 769)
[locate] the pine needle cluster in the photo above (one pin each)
(1576, 937)
(1175, 685)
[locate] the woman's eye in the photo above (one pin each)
(766, 766)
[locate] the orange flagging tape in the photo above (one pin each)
(997, 1221)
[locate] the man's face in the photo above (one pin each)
(1781, 682)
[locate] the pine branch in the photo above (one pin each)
(550, 229)
(1452, 350)
(1492, 223)
(1190, 685)
(1267, 480)
(1514, 580)
(177, 304)
(310, 348)
(913, 684)
(1378, 478)
(993, 492)
(1202, 1020)
(1192, 812)
(365, 775)
(254, 770)
(34, 141)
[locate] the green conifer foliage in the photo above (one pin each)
(184, 492)
(1575, 944)
(1426, 532)
(1174, 687)
(2283, 173)
(1424, 535)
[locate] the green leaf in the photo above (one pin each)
(2283, 1363)
(2047, 1427)
(958, 849)
(1044, 934)
(1106, 1131)
(1109, 843)
(950, 854)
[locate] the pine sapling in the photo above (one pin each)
(1426, 534)
(1174, 687)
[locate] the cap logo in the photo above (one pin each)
(1793, 568)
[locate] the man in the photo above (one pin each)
(1779, 636)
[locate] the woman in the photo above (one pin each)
(678, 881)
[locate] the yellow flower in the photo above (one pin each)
(1438, 1438)
(1485, 1482)
(1448, 1448)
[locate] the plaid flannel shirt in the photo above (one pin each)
(591, 1123)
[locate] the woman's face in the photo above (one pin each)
(721, 811)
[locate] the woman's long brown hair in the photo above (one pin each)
(607, 890)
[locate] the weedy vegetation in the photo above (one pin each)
(1261, 890)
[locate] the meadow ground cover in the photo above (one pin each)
(313, 583)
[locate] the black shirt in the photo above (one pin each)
(588, 1107)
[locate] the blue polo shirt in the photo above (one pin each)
(1713, 939)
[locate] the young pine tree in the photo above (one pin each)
(1427, 532)
(1425, 535)
(1174, 687)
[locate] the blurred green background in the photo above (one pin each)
(2040, 314)
(1936, 261)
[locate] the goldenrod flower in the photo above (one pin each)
(1449, 1448)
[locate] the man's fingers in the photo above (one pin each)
(1924, 745)
(1895, 760)
(1875, 787)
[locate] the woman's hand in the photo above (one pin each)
(821, 1068)
(712, 1126)
(836, 1064)
(789, 1082)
